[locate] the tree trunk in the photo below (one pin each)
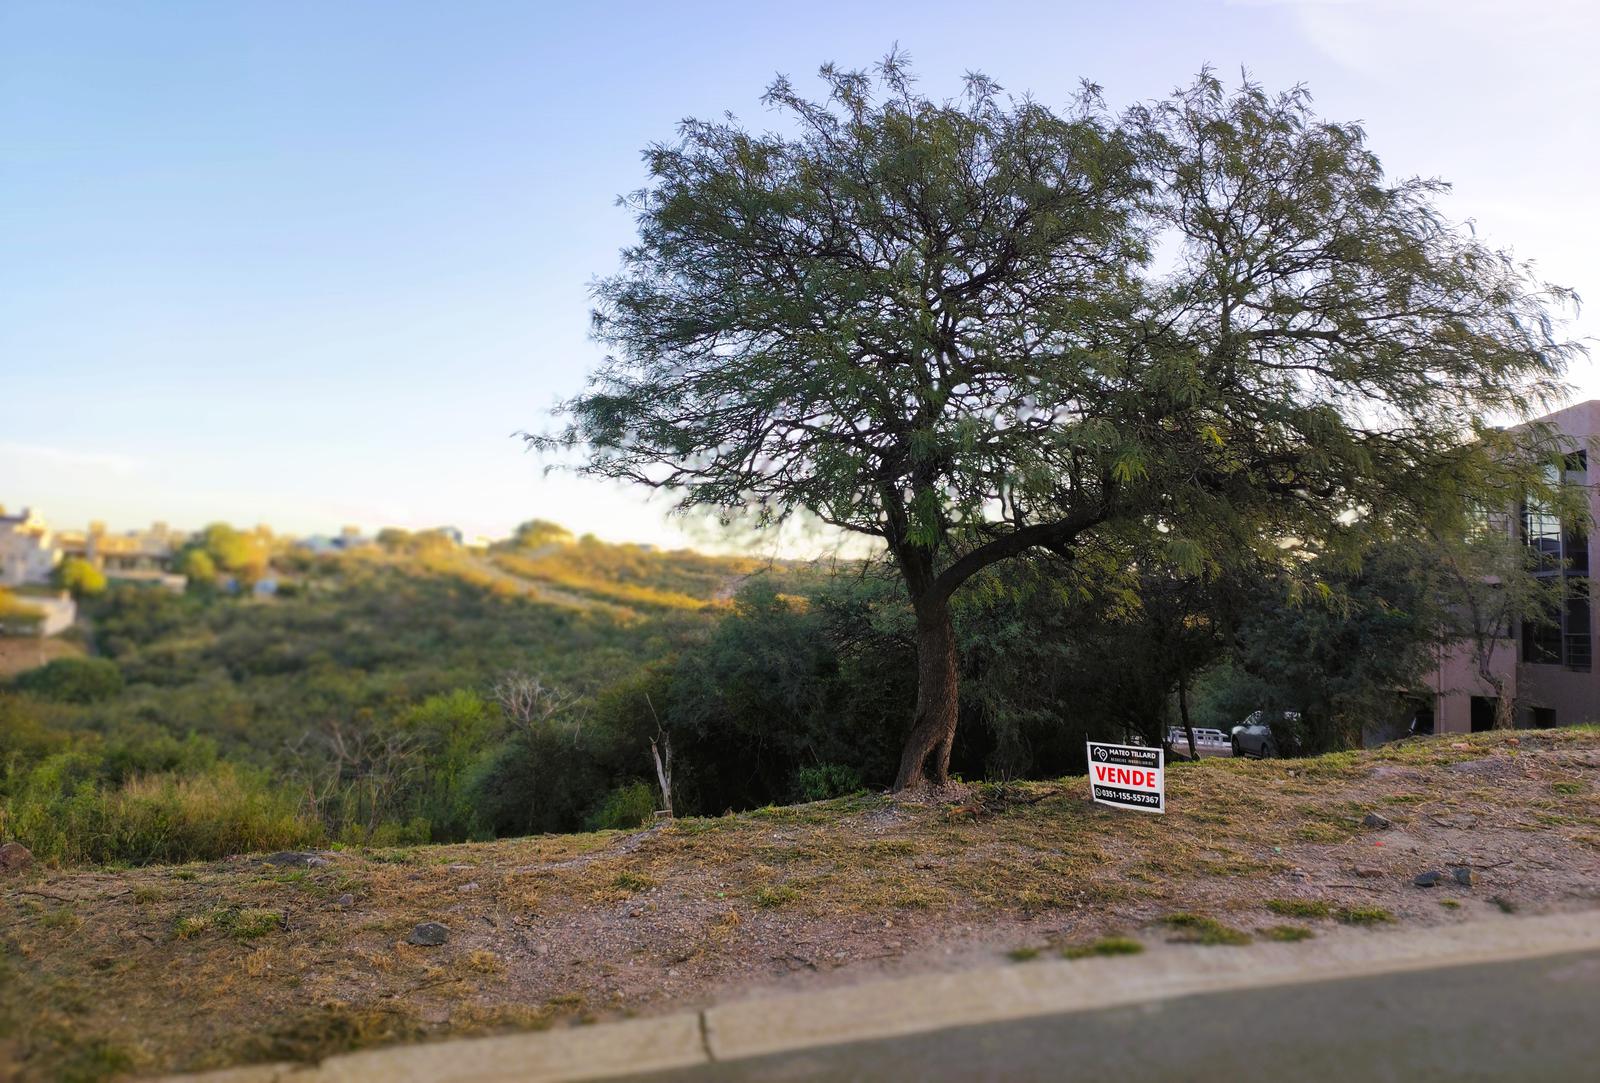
(1503, 715)
(1183, 713)
(926, 757)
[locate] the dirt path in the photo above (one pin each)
(231, 961)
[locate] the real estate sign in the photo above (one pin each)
(1127, 776)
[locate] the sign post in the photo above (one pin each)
(1127, 776)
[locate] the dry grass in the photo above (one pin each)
(218, 963)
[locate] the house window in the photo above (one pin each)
(1483, 713)
(1544, 718)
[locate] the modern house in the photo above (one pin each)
(29, 550)
(1547, 666)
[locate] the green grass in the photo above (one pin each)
(1363, 915)
(1450, 904)
(249, 923)
(1106, 945)
(632, 881)
(1022, 955)
(1198, 929)
(1299, 908)
(1287, 932)
(770, 896)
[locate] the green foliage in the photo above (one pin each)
(625, 808)
(66, 814)
(824, 781)
(80, 577)
(72, 680)
(537, 533)
(232, 551)
(942, 324)
(198, 565)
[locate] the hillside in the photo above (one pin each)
(356, 703)
(244, 960)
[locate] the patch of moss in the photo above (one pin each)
(1363, 915)
(1106, 945)
(1198, 929)
(1287, 932)
(1299, 908)
(774, 895)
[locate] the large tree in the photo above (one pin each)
(975, 327)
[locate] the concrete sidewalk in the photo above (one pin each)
(875, 1011)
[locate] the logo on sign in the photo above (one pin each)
(1127, 776)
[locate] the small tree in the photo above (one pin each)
(80, 577)
(198, 567)
(1489, 584)
(940, 324)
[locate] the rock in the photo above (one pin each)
(470, 886)
(1465, 876)
(296, 859)
(1382, 823)
(430, 934)
(346, 899)
(1460, 746)
(1428, 879)
(14, 857)
(1367, 872)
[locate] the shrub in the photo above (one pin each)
(67, 818)
(72, 680)
(826, 780)
(625, 808)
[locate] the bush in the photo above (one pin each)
(66, 817)
(72, 680)
(625, 808)
(826, 780)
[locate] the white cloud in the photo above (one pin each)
(43, 454)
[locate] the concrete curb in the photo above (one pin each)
(901, 1006)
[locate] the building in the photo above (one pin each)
(144, 551)
(29, 550)
(349, 537)
(1547, 666)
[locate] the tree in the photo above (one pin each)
(80, 577)
(234, 551)
(941, 324)
(1489, 584)
(198, 566)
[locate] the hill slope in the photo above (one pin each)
(239, 960)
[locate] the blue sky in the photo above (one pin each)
(313, 263)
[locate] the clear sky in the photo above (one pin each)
(314, 263)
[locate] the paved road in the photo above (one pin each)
(1532, 1019)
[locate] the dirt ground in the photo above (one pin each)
(136, 971)
(18, 653)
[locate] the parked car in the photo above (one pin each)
(1262, 735)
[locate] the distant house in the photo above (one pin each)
(29, 550)
(149, 550)
(349, 537)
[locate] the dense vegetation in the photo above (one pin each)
(356, 705)
(417, 694)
